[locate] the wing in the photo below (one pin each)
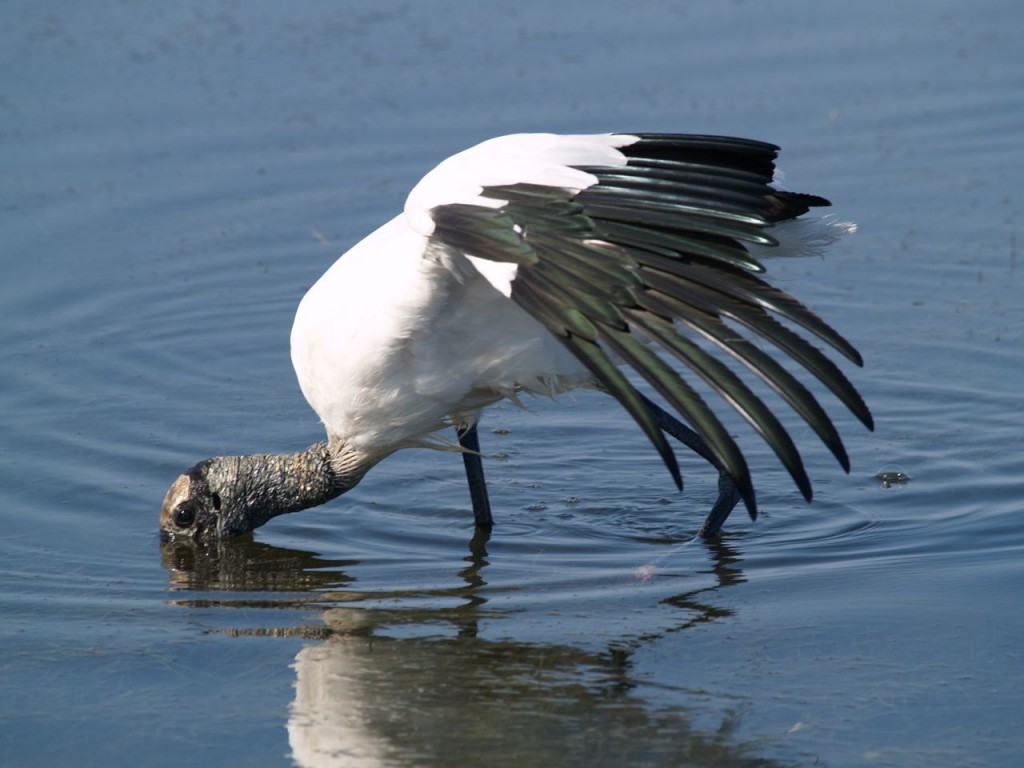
(632, 239)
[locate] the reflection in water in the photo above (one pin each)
(380, 701)
(414, 685)
(245, 565)
(727, 574)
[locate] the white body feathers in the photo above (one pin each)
(432, 342)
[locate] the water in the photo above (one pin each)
(172, 180)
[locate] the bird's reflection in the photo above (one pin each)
(725, 559)
(245, 565)
(381, 701)
(414, 685)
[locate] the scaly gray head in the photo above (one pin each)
(194, 509)
(229, 495)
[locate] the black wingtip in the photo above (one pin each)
(783, 206)
(657, 438)
(673, 469)
(868, 419)
(750, 502)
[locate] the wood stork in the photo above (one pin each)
(539, 263)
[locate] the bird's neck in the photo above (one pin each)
(262, 486)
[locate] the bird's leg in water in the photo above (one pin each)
(470, 441)
(728, 496)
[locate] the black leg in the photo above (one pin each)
(728, 496)
(469, 440)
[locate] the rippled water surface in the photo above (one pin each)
(173, 178)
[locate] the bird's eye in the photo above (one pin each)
(184, 516)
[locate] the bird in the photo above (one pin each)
(539, 263)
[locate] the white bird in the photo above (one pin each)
(539, 263)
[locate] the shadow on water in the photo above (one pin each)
(384, 681)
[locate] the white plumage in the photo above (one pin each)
(386, 366)
(537, 263)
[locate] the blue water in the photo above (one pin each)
(173, 178)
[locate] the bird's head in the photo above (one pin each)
(194, 505)
(229, 495)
